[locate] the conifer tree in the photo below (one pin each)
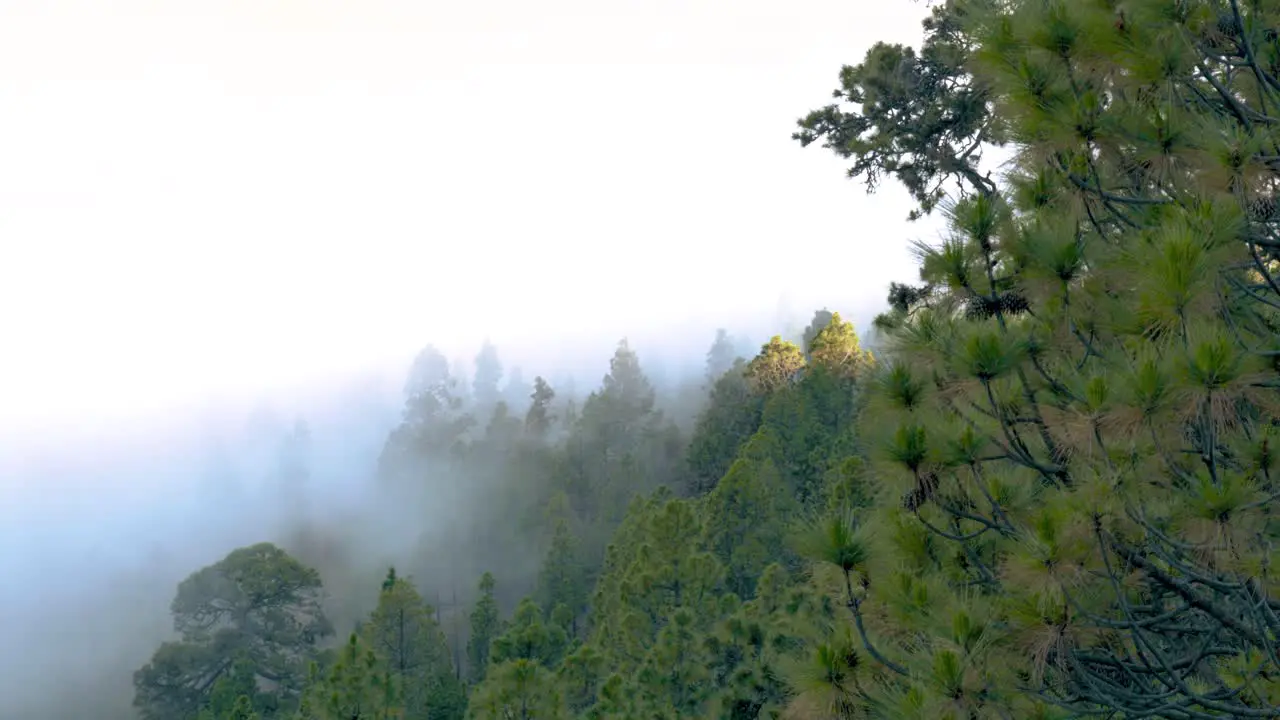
(731, 417)
(580, 677)
(225, 697)
(357, 687)
(821, 319)
(836, 349)
(653, 568)
(674, 681)
(433, 421)
(747, 516)
(720, 357)
(403, 631)
(777, 366)
(562, 580)
(241, 709)
(257, 613)
(1075, 423)
(754, 648)
(538, 420)
(528, 637)
(617, 699)
(624, 400)
(621, 445)
(916, 116)
(518, 690)
(485, 626)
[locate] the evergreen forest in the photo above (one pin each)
(1044, 493)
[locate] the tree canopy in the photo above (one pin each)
(1076, 412)
(257, 612)
(1047, 494)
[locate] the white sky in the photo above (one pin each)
(200, 196)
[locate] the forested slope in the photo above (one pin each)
(1048, 495)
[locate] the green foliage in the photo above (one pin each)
(433, 422)
(235, 696)
(255, 611)
(620, 445)
(563, 580)
(240, 709)
(486, 623)
(625, 396)
(1070, 520)
(915, 116)
(580, 677)
(673, 680)
(538, 420)
(731, 417)
(664, 570)
(358, 686)
(835, 349)
(527, 637)
(777, 366)
(1050, 497)
(808, 430)
(517, 690)
(501, 434)
(821, 319)
(746, 520)
(665, 631)
(758, 646)
(403, 632)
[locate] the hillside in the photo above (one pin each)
(1047, 494)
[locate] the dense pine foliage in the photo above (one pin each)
(1048, 495)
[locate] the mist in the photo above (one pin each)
(98, 534)
(235, 230)
(100, 523)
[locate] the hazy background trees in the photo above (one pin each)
(1047, 493)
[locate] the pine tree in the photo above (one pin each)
(731, 417)
(486, 624)
(257, 613)
(674, 681)
(518, 690)
(225, 696)
(720, 357)
(625, 398)
(562, 580)
(500, 435)
(653, 568)
(836, 349)
(1077, 414)
(241, 709)
(621, 445)
(917, 117)
(528, 637)
(821, 320)
(777, 366)
(538, 420)
(433, 421)
(580, 677)
(357, 687)
(756, 646)
(403, 631)
(747, 516)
